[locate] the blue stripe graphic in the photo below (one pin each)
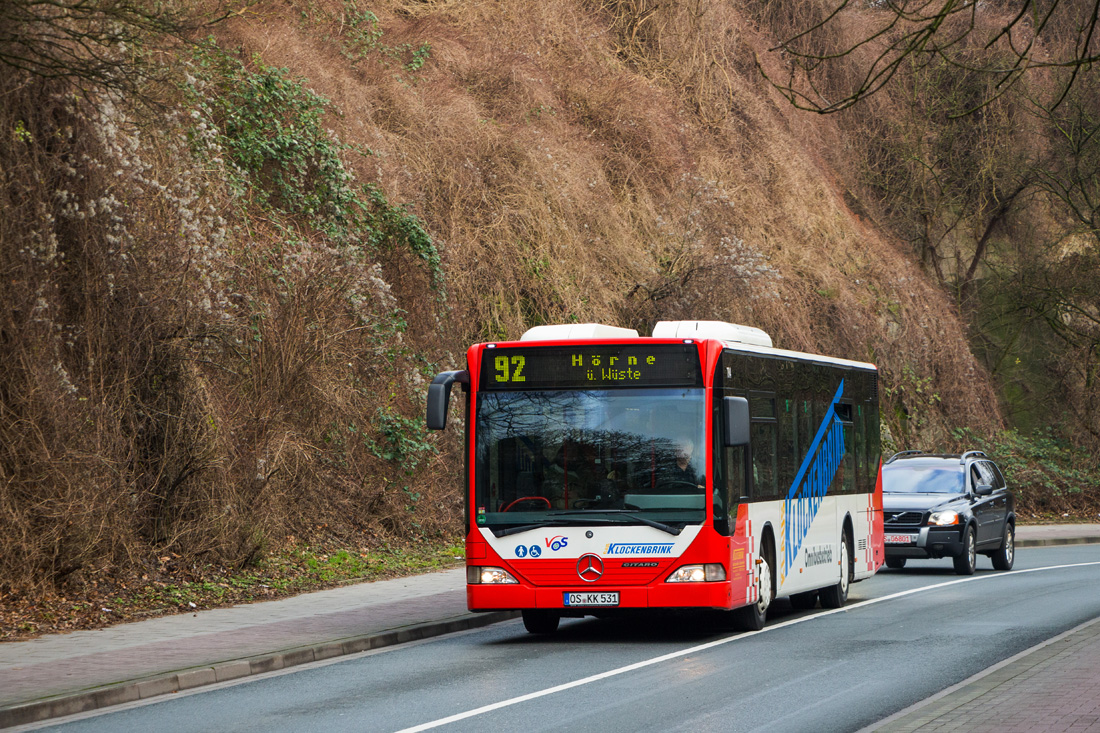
(813, 479)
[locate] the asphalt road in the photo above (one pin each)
(904, 636)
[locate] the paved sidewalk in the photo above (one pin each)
(63, 674)
(1050, 687)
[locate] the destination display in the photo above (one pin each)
(608, 365)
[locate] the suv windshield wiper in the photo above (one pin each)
(627, 515)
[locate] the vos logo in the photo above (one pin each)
(557, 542)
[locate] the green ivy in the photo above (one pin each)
(282, 158)
(1040, 463)
(362, 36)
(401, 440)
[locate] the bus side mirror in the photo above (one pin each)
(735, 418)
(439, 396)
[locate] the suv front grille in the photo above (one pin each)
(899, 518)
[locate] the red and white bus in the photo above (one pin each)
(696, 468)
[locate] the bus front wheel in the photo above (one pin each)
(538, 621)
(752, 618)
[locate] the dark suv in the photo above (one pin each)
(957, 506)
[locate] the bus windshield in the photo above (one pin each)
(590, 456)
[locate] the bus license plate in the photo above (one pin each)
(899, 539)
(591, 599)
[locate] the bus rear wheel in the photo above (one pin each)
(835, 596)
(538, 621)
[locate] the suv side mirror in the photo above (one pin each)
(735, 420)
(983, 489)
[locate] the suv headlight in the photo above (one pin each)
(698, 573)
(942, 519)
(488, 576)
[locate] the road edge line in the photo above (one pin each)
(144, 688)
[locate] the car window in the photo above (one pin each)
(922, 480)
(975, 476)
(982, 474)
(998, 479)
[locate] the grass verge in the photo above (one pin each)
(170, 586)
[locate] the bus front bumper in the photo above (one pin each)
(714, 594)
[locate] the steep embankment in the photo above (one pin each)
(611, 162)
(215, 339)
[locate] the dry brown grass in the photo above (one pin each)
(617, 161)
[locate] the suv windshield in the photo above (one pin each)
(902, 479)
(583, 456)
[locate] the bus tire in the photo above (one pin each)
(753, 617)
(835, 596)
(539, 621)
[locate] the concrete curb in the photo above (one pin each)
(147, 687)
(1051, 541)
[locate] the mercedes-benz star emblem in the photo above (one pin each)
(590, 568)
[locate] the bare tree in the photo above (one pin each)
(96, 42)
(880, 37)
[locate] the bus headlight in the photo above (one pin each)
(488, 576)
(698, 573)
(942, 519)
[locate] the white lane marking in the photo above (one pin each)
(716, 643)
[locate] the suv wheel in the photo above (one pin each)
(1003, 557)
(968, 560)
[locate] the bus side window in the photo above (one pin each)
(734, 458)
(874, 447)
(861, 447)
(765, 445)
(788, 443)
(763, 461)
(806, 430)
(845, 413)
(729, 471)
(729, 474)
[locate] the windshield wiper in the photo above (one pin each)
(627, 515)
(539, 525)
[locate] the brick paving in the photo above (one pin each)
(1053, 687)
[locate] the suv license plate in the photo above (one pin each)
(590, 599)
(899, 539)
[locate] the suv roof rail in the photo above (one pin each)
(899, 454)
(975, 453)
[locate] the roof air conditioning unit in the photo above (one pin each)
(712, 330)
(567, 331)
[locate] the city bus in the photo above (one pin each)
(697, 468)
